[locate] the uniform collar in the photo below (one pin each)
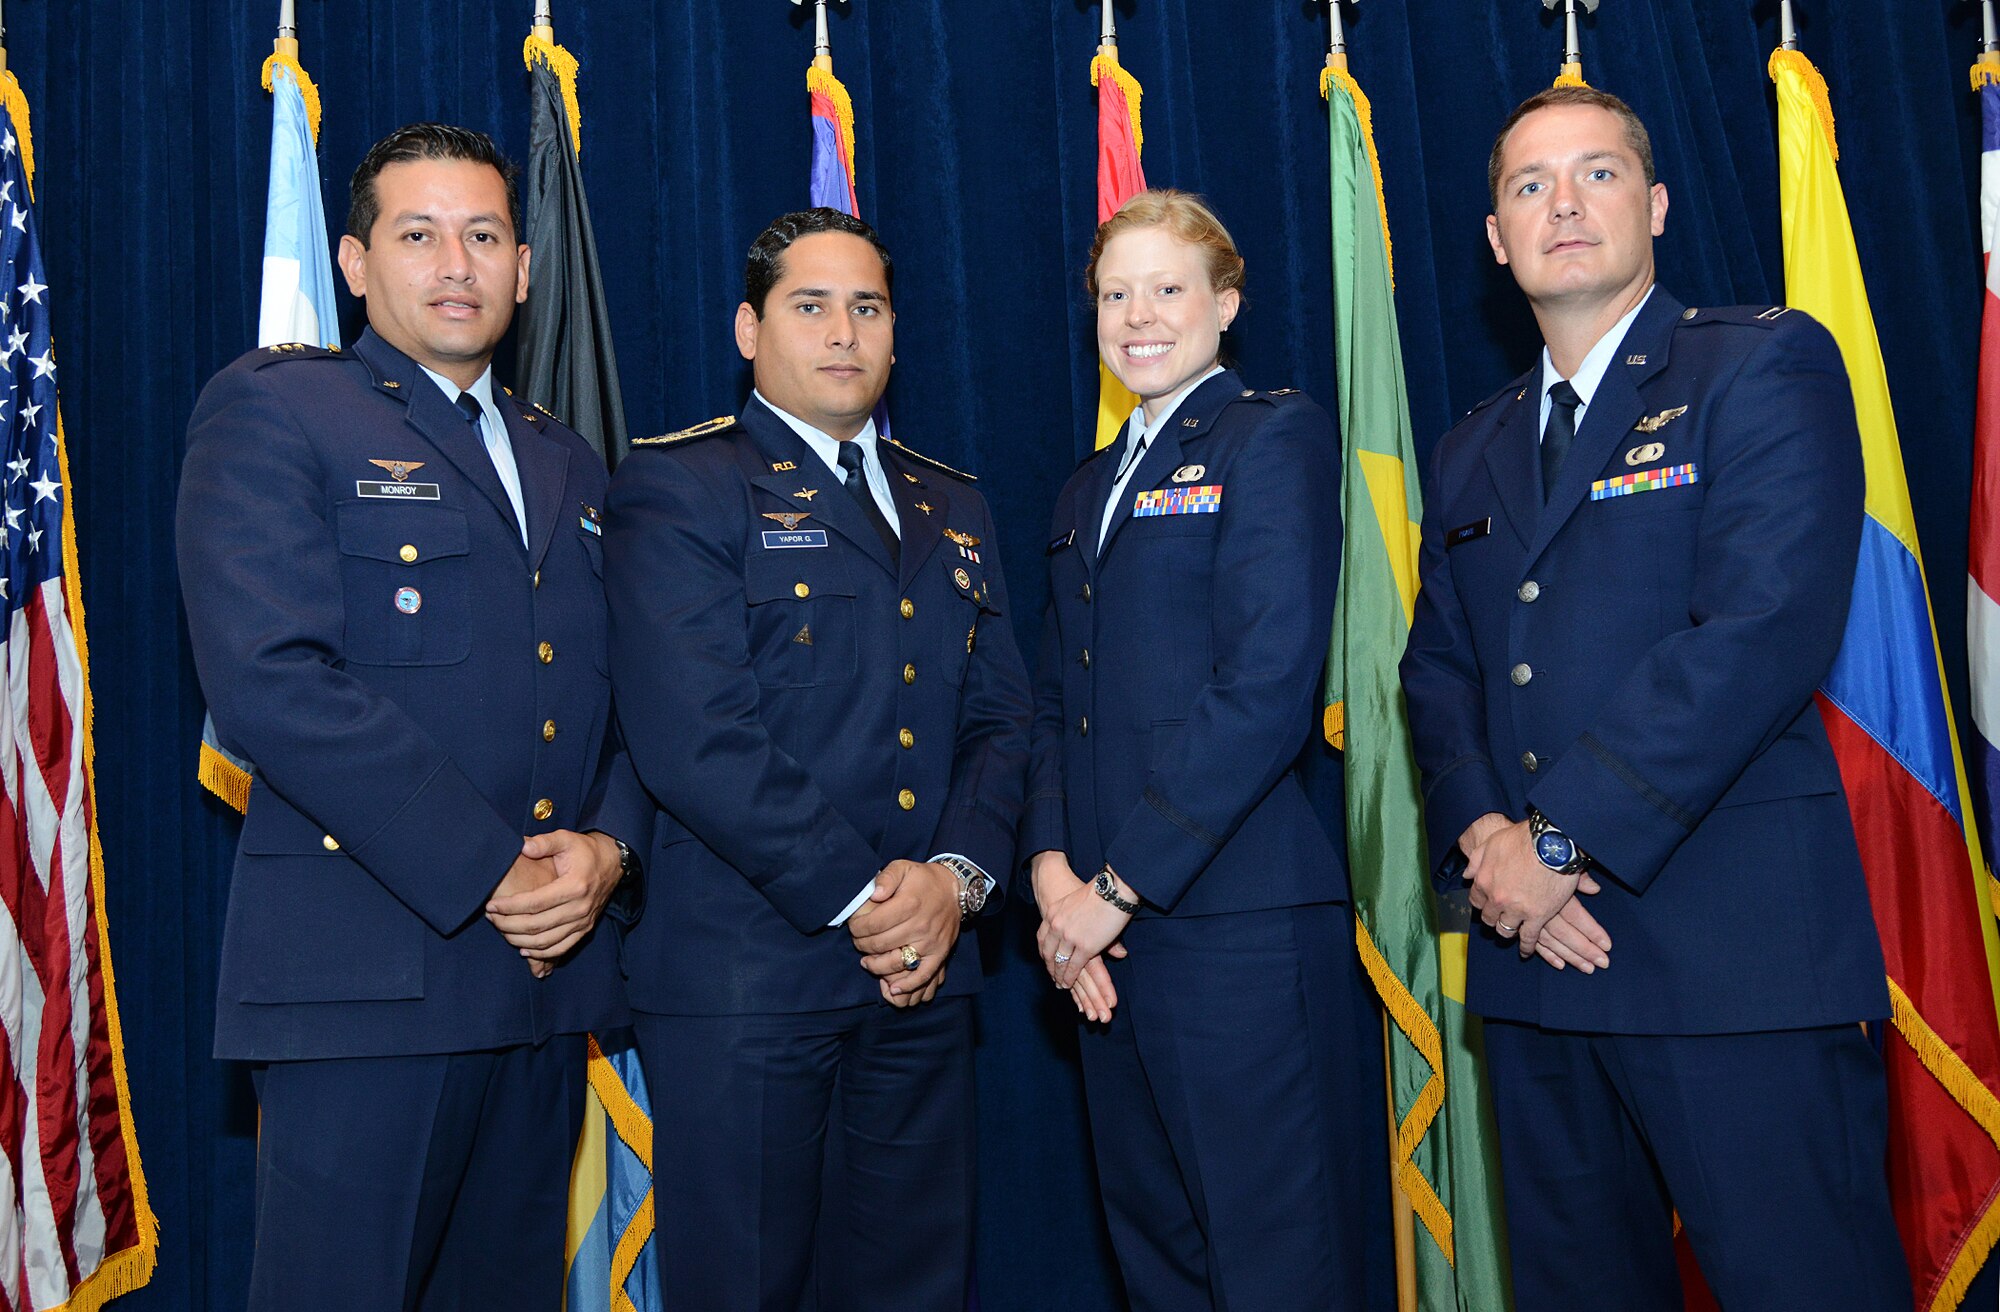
(825, 447)
(1590, 372)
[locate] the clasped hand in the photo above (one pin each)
(1079, 929)
(553, 894)
(914, 905)
(1516, 894)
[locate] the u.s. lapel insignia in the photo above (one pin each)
(1639, 455)
(400, 470)
(806, 493)
(783, 466)
(1654, 423)
(1189, 473)
(1635, 359)
(790, 519)
(1190, 423)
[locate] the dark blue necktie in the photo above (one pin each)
(855, 476)
(1560, 434)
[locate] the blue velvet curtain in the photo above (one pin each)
(976, 127)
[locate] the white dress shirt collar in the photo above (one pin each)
(1595, 362)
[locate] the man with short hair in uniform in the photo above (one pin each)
(1637, 560)
(392, 574)
(811, 648)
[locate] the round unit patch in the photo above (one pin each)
(961, 578)
(409, 600)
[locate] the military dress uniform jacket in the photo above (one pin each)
(1179, 681)
(417, 690)
(1637, 659)
(802, 712)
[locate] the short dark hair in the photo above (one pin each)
(1636, 136)
(417, 141)
(767, 253)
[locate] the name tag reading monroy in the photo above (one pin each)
(397, 491)
(787, 538)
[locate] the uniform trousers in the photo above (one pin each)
(819, 1160)
(1217, 1116)
(437, 1183)
(1771, 1147)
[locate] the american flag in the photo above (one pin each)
(75, 1228)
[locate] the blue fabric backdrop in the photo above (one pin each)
(976, 128)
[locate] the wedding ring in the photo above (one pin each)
(1062, 958)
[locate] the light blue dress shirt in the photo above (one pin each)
(494, 430)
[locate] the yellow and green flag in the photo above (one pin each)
(1413, 946)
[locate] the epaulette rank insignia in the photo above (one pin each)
(714, 425)
(922, 459)
(545, 410)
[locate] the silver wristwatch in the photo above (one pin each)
(1106, 887)
(971, 886)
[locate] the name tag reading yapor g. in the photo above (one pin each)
(1465, 533)
(801, 537)
(397, 491)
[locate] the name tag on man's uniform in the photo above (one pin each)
(803, 537)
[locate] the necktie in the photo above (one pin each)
(468, 405)
(1561, 432)
(1134, 453)
(856, 478)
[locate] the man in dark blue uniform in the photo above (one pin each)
(392, 574)
(816, 674)
(1636, 568)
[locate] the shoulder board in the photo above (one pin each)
(1761, 316)
(718, 424)
(939, 465)
(293, 351)
(1517, 390)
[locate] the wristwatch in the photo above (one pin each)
(1106, 887)
(971, 885)
(1553, 848)
(628, 864)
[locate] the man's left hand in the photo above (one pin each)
(547, 922)
(914, 906)
(1514, 892)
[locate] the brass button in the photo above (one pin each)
(909, 674)
(1520, 674)
(1529, 591)
(1083, 726)
(1086, 658)
(907, 800)
(1086, 594)
(548, 731)
(538, 578)
(547, 652)
(906, 738)
(330, 843)
(408, 553)
(544, 809)
(909, 609)
(801, 591)
(1530, 762)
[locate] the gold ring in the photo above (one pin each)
(910, 958)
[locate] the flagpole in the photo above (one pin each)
(1572, 43)
(1107, 39)
(288, 30)
(822, 41)
(1336, 46)
(543, 26)
(1788, 32)
(1989, 35)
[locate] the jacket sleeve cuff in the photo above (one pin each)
(444, 852)
(819, 879)
(984, 841)
(1627, 828)
(1464, 790)
(1159, 854)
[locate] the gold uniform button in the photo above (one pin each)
(1520, 674)
(907, 800)
(907, 738)
(408, 553)
(330, 843)
(801, 591)
(909, 674)
(548, 731)
(1529, 591)
(544, 809)
(546, 652)
(909, 609)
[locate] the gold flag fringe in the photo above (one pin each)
(223, 777)
(307, 90)
(822, 82)
(1106, 65)
(1422, 1033)
(1815, 85)
(563, 64)
(635, 1129)
(15, 102)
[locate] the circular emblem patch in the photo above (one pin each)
(409, 600)
(960, 577)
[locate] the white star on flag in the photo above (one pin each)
(20, 468)
(34, 539)
(45, 363)
(28, 413)
(44, 489)
(31, 289)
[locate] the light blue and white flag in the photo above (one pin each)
(297, 301)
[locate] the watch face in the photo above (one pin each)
(1555, 850)
(1102, 883)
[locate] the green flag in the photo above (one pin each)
(1443, 1146)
